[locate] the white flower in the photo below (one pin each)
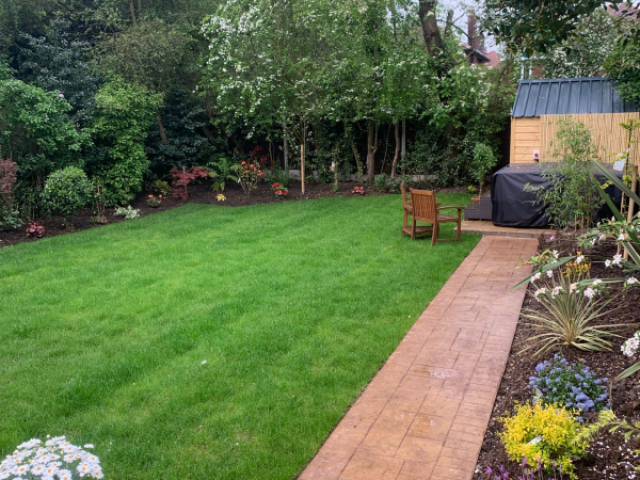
(89, 445)
(536, 277)
(21, 469)
(579, 259)
(556, 291)
(573, 287)
(540, 291)
(38, 470)
(632, 280)
(607, 263)
(596, 282)
(84, 469)
(589, 293)
(621, 237)
(550, 273)
(617, 260)
(64, 475)
(203, 362)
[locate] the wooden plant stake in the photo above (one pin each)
(634, 185)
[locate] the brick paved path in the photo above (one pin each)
(424, 414)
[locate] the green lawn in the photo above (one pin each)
(294, 306)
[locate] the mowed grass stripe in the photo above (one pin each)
(294, 306)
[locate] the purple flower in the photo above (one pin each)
(61, 95)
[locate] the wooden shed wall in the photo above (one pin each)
(525, 138)
(529, 134)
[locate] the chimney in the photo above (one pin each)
(472, 32)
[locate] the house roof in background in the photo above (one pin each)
(568, 96)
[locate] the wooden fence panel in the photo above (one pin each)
(606, 132)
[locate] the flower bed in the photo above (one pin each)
(608, 455)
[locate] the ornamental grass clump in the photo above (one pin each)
(545, 434)
(567, 315)
(574, 386)
(56, 458)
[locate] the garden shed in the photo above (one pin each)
(593, 101)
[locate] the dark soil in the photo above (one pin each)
(200, 194)
(610, 456)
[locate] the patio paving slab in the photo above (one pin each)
(424, 415)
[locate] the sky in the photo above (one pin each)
(460, 8)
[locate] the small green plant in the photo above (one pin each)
(546, 434)
(482, 163)
(154, 201)
(608, 420)
(472, 190)
(221, 172)
(161, 187)
(279, 175)
(572, 197)
(567, 317)
(249, 173)
(66, 191)
(100, 201)
(380, 183)
(128, 213)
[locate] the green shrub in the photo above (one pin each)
(36, 131)
(546, 434)
(123, 113)
(67, 191)
(483, 161)
(161, 187)
(572, 198)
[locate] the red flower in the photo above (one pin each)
(159, 196)
(150, 196)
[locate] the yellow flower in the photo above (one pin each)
(220, 197)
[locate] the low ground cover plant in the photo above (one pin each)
(547, 434)
(154, 201)
(128, 212)
(35, 230)
(575, 386)
(54, 458)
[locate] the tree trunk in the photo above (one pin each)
(430, 30)
(286, 148)
(132, 9)
(139, 7)
(302, 163)
(448, 29)
(372, 143)
(356, 155)
(396, 153)
(163, 134)
(403, 151)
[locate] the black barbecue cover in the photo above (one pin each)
(513, 207)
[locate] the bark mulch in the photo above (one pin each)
(609, 456)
